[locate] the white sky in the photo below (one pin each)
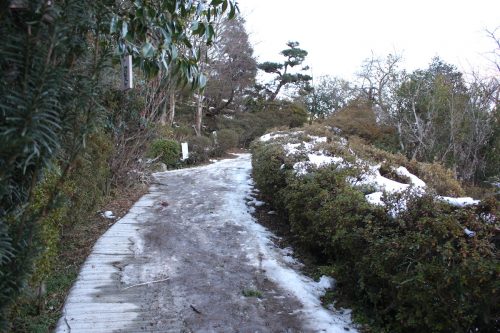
(339, 35)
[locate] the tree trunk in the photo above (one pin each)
(171, 115)
(199, 114)
(163, 117)
(276, 92)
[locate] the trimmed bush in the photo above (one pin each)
(359, 119)
(268, 173)
(265, 116)
(200, 149)
(416, 272)
(169, 151)
(440, 179)
(226, 139)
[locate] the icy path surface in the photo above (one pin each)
(184, 256)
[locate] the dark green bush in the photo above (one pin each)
(200, 149)
(263, 117)
(182, 132)
(327, 213)
(169, 151)
(226, 139)
(91, 176)
(416, 272)
(422, 273)
(270, 176)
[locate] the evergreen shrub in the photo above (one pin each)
(263, 117)
(417, 271)
(169, 151)
(200, 149)
(226, 139)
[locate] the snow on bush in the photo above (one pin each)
(392, 253)
(318, 158)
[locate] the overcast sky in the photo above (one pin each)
(339, 34)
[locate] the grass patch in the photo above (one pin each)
(252, 293)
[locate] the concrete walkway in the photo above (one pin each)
(189, 257)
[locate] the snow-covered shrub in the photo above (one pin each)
(430, 267)
(437, 177)
(423, 272)
(327, 213)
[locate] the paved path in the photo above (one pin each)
(182, 259)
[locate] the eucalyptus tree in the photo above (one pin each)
(284, 74)
(53, 55)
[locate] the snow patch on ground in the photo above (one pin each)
(320, 159)
(108, 214)
(276, 264)
(375, 198)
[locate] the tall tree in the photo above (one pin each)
(231, 67)
(294, 56)
(379, 80)
(444, 119)
(330, 94)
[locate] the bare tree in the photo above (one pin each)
(495, 58)
(380, 79)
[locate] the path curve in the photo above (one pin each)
(189, 257)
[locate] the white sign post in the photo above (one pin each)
(127, 75)
(185, 152)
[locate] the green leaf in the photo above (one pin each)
(232, 11)
(202, 81)
(139, 13)
(148, 50)
(200, 29)
(124, 29)
(174, 54)
(187, 43)
(112, 27)
(210, 33)
(224, 6)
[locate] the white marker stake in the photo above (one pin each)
(127, 74)
(185, 152)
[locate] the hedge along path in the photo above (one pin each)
(189, 257)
